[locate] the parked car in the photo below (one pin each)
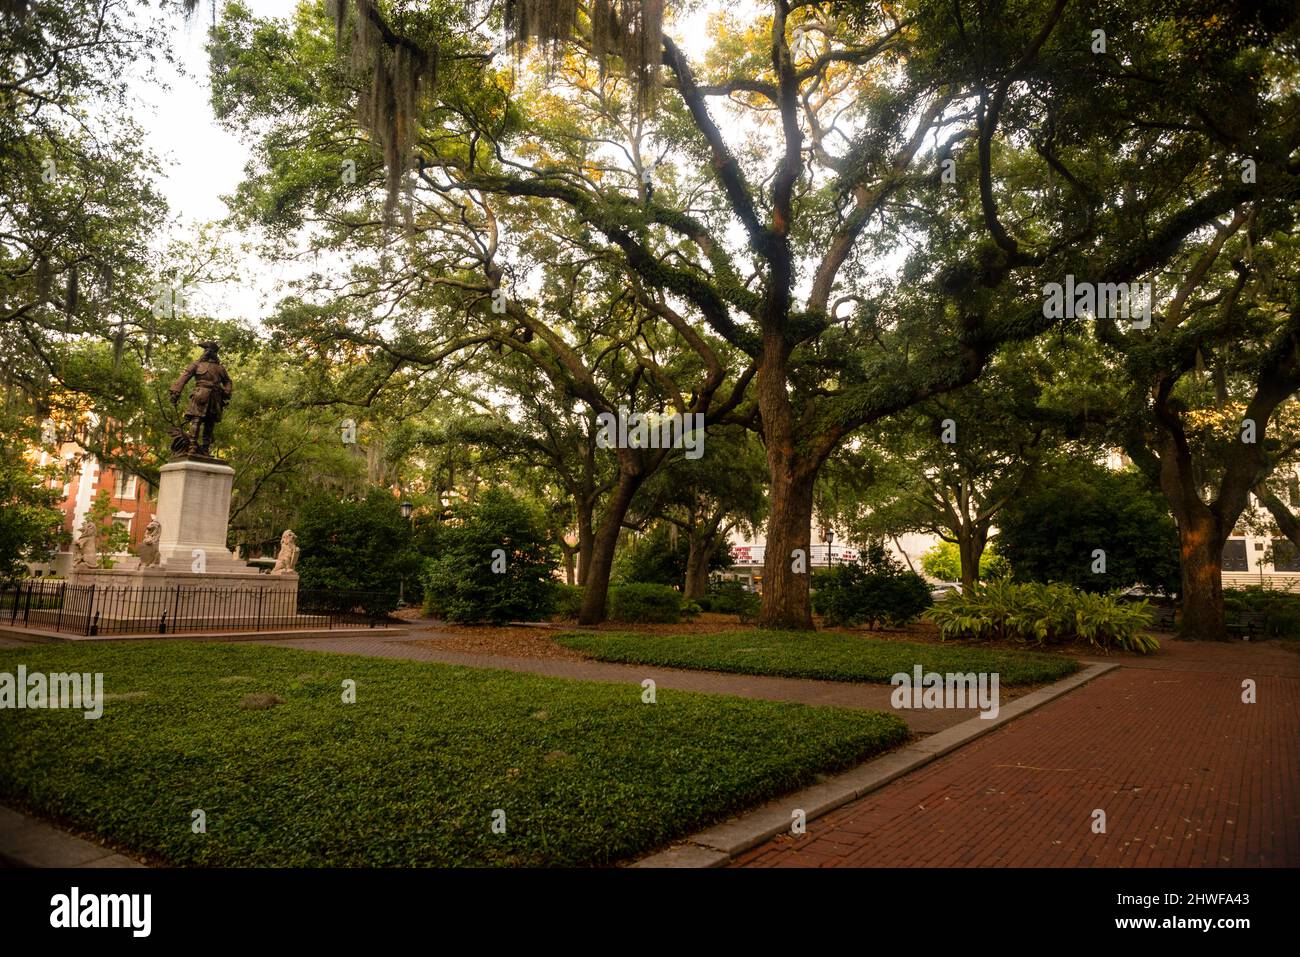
(942, 590)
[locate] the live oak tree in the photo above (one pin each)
(832, 169)
(834, 138)
(77, 203)
(1169, 134)
(473, 273)
(1217, 121)
(754, 206)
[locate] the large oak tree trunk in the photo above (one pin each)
(697, 566)
(1201, 552)
(595, 580)
(786, 600)
(792, 475)
(1202, 531)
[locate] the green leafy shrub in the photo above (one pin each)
(733, 598)
(643, 602)
(493, 561)
(876, 589)
(30, 520)
(1050, 533)
(356, 545)
(1040, 614)
(568, 601)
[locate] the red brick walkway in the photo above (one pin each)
(1186, 774)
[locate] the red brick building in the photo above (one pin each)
(81, 478)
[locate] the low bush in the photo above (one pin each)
(1048, 533)
(874, 590)
(1281, 610)
(733, 598)
(642, 602)
(1041, 614)
(568, 601)
(660, 557)
(355, 550)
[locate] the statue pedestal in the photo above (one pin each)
(194, 511)
(199, 583)
(147, 599)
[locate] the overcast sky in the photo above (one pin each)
(201, 160)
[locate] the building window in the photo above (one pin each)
(1234, 555)
(124, 487)
(1285, 558)
(123, 521)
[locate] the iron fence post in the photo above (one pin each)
(90, 608)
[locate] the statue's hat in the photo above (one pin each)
(209, 345)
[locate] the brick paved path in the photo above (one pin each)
(1186, 774)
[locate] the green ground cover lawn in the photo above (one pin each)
(828, 655)
(408, 775)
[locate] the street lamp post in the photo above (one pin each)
(407, 510)
(828, 536)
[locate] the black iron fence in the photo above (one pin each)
(130, 610)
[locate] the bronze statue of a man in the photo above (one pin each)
(212, 390)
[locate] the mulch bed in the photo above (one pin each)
(506, 641)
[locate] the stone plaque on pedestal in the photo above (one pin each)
(194, 511)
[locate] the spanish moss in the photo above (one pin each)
(629, 29)
(401, 71)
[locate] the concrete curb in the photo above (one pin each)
(719, 844)
(27, 842)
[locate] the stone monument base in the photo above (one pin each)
(194, 512)
(198, 583)
(160, 600)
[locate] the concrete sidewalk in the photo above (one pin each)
(27, 842)
(1186, 774)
